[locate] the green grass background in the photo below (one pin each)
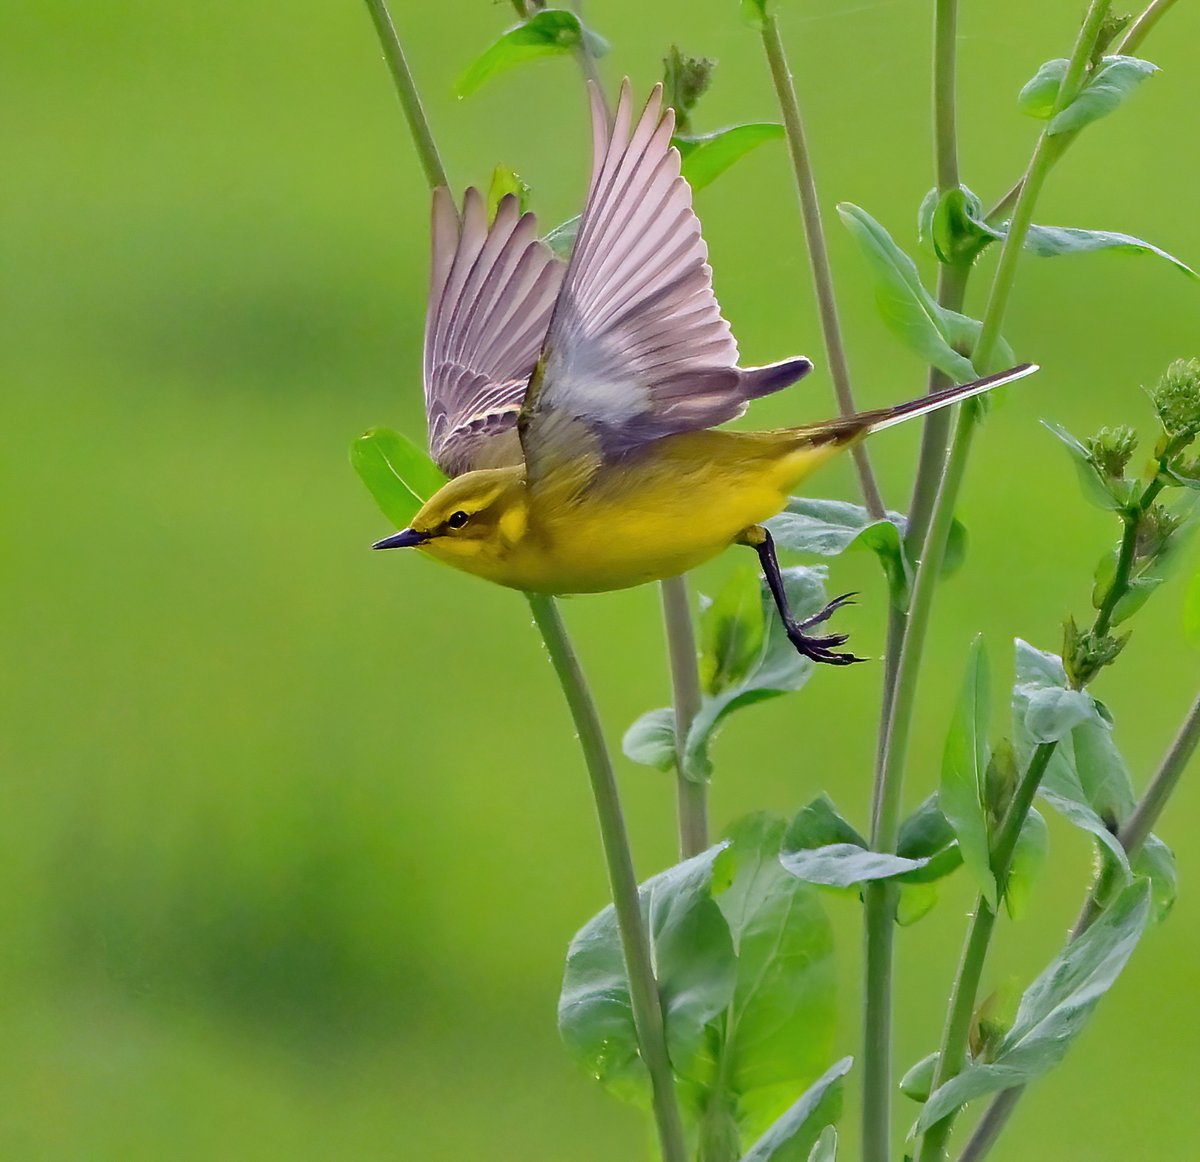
(294, 835)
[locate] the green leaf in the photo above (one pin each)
(776, 668)
(707, 156)
(1039, 674)
(1156, 861)
(916, 902)
(778, 1030)
(953, 226)
(825, 1147)
(818, 824)
(651, 739)
(732, 628)
(798, 1129)
(842, 865)
(830, 527)
(918, 1081)
(1037, 97)
(694, 963)
(1029, 857)
(754, 12)
(1095, 486)
(399, 475)
(506, 181)
(1106, 89)
(1046, 708)
(907, 308)
(1054, 1008)
(562, 238)
(962, 797)
(926, 832)
(1051, 241)
(550, 32)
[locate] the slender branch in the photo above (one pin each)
(894, 749)
(1163, 785)
(1128, 43)
(961, 1011)
(879, 907)
(1140, 28)
(643, 988)
(818, 253)
(692, 796)
(635, 942)
(879, 900)
(406, 90)
(1132, 836)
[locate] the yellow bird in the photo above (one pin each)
(573, 403)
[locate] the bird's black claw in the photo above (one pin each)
(823, 649)
(829, 610)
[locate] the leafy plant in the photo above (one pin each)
(706, 994)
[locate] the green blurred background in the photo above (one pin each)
(295, 835)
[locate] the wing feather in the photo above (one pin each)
(491, 294)
(637, 347)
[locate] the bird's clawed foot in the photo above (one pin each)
(819, 649)
(822, 649)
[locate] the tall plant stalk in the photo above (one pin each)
(900, 691)
(818, 252)
(643, 989)
(635, 941)
(691, 797)
(1132, 835)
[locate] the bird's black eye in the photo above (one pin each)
(458, 519)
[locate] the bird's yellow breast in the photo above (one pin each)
(655, 513)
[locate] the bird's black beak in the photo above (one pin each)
(404, 539)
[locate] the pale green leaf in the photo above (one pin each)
(399, 475)
(707, 156)
(1054, 1008)
(798, 1129)
(962, 797)
(651, 739)
(549, 32)
(1109, 87)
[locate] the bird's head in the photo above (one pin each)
(475, 515)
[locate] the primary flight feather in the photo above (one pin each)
(574, 404)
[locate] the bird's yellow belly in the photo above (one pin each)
(653, 519)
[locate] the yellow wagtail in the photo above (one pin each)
(573, 404)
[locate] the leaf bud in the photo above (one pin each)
(1176, 398)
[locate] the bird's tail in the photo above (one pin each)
(849, 428)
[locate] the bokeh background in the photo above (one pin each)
(294, 835)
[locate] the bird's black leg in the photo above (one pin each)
(820, 649)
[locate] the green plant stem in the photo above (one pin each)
(635, 941)
(879, 905)
(1132, 836)
(961, 1011)
(691, 796)
(1126, 45)
(818, 252)
(635, 944)
(1140, 28)
(893, 752)
(406, 90)
(951, 292)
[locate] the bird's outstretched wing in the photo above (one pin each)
(637, 348)
(491, 294)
